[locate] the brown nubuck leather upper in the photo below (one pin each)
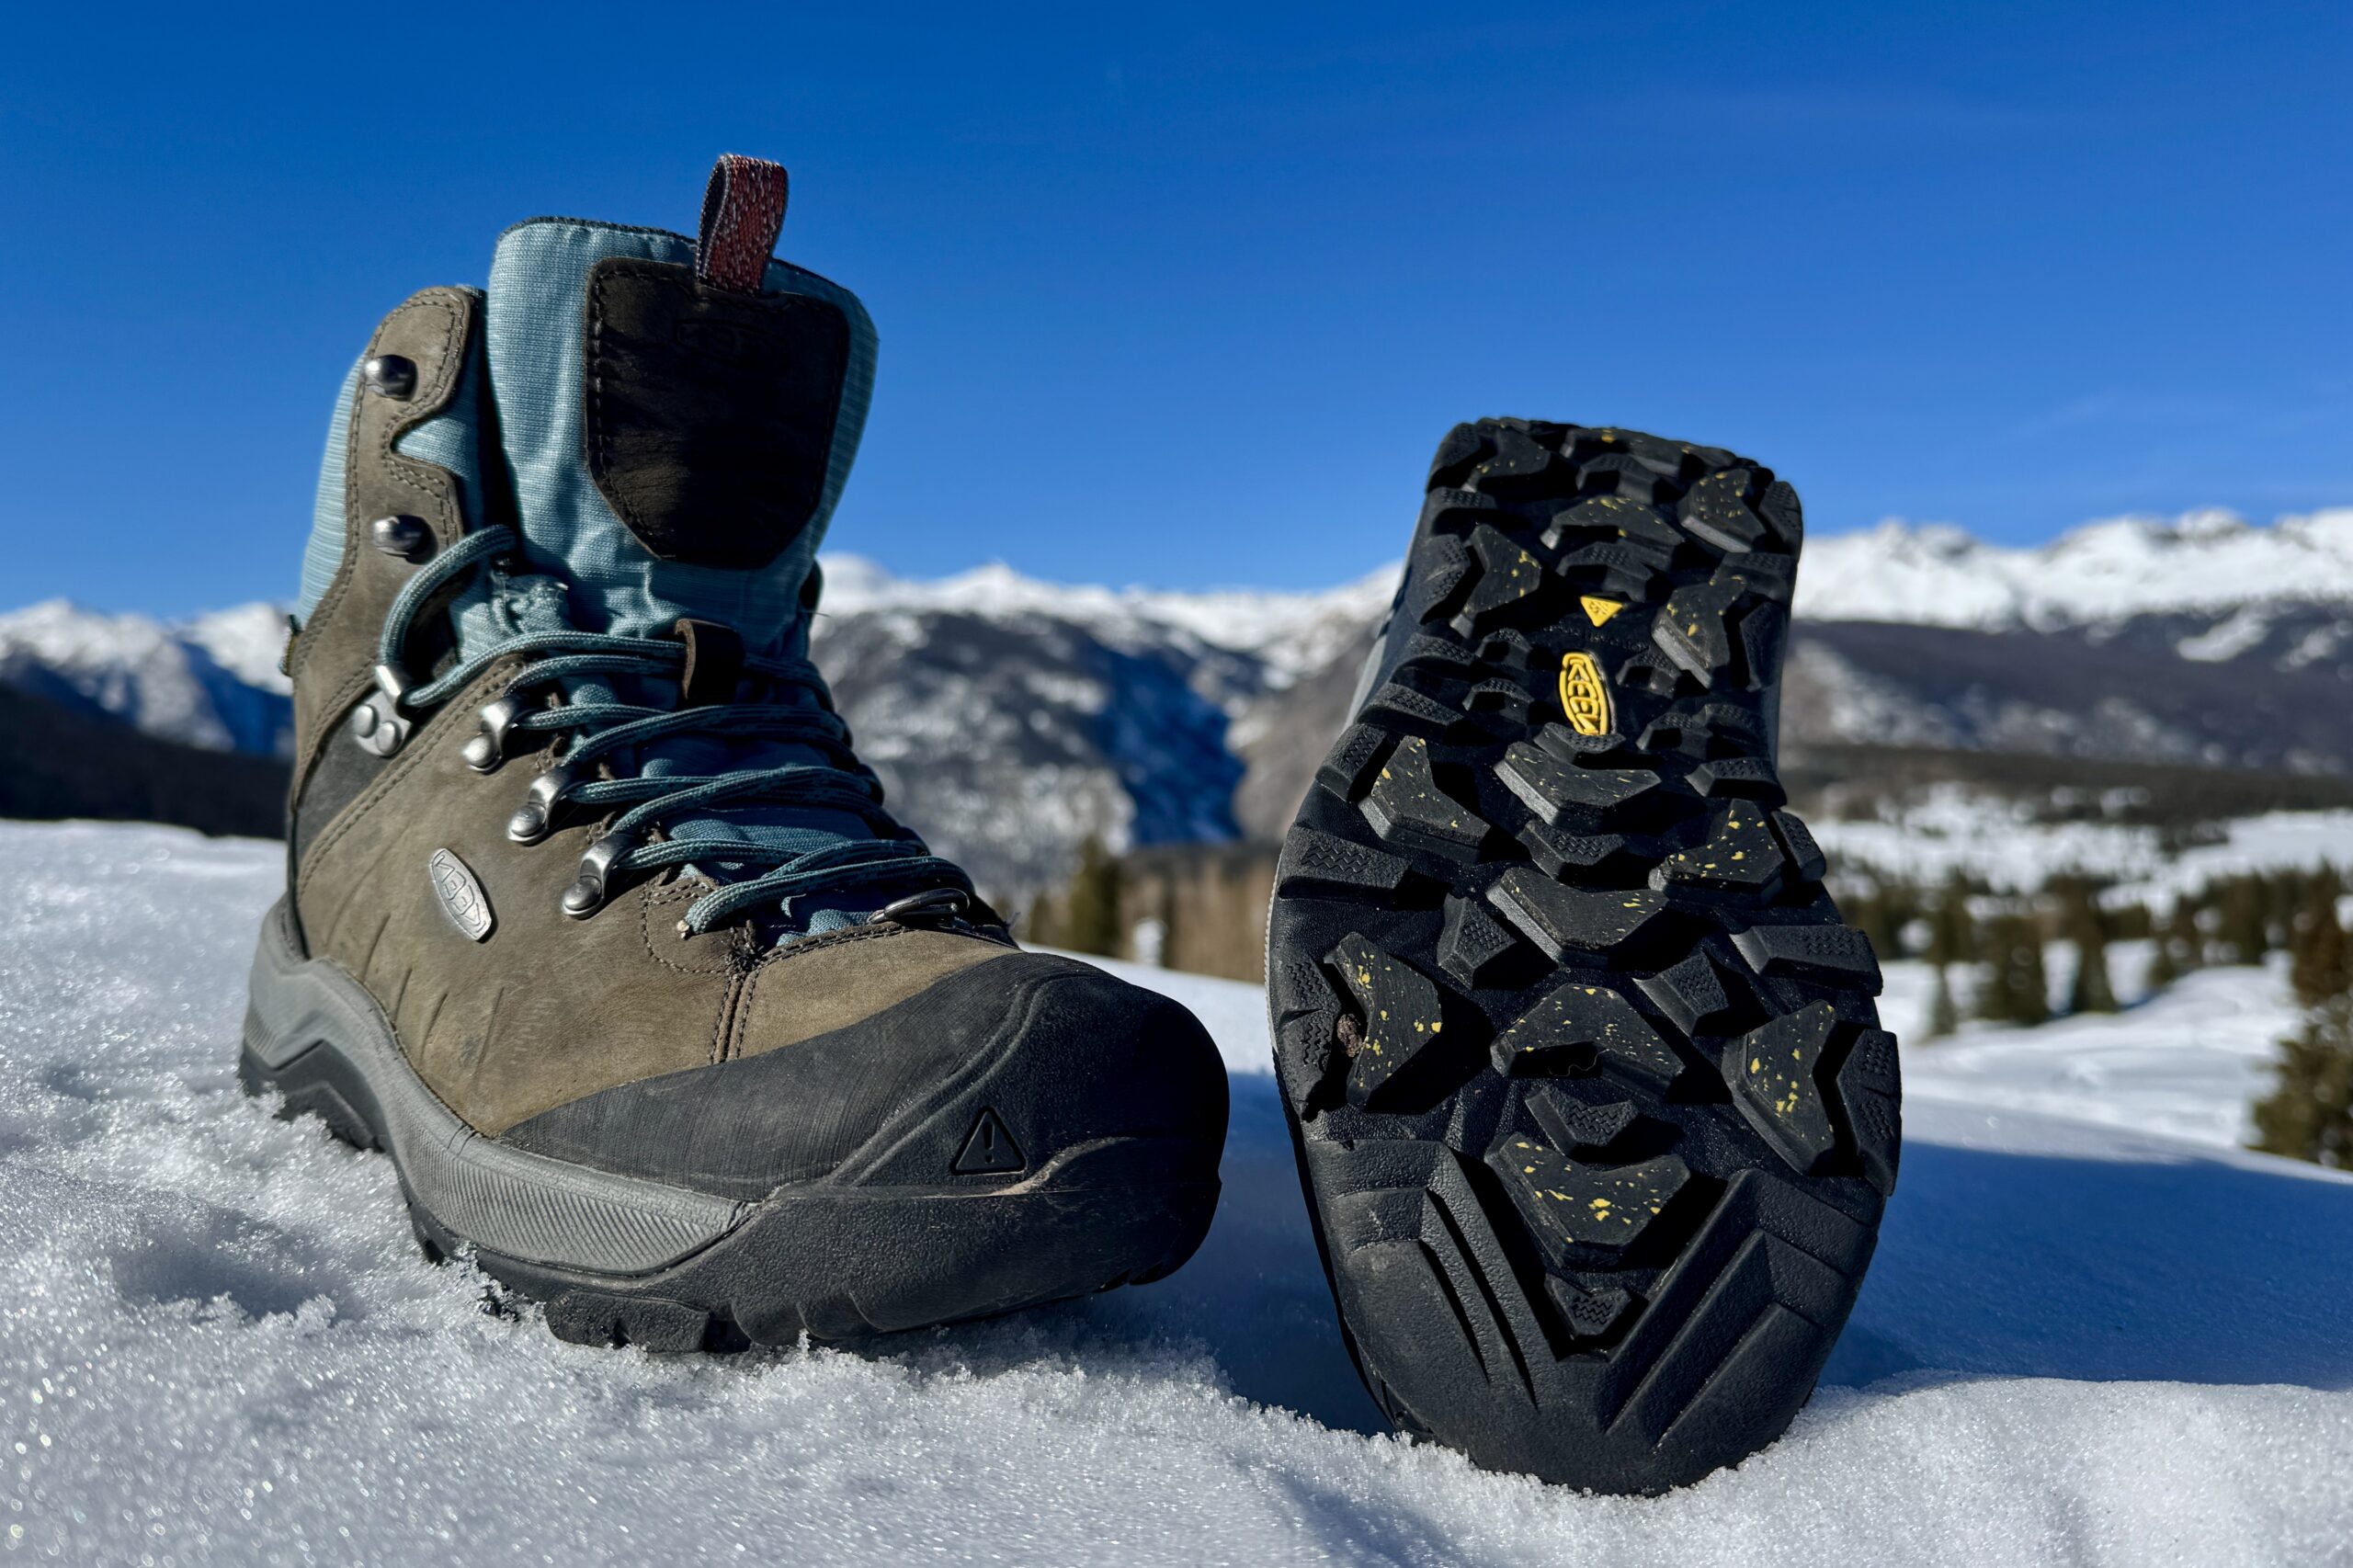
(543, 1008)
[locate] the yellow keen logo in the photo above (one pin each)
(1584, 696)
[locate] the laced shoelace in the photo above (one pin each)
(604, 731)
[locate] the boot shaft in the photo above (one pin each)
(668, 423)
(630, 435)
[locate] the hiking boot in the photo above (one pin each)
(1593, 1108)
(596, 924)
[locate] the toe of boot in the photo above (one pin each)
(1030, 1071)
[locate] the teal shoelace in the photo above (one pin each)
(786, 861)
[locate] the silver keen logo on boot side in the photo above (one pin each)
(462, 894)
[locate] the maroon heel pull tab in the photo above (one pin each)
(743, 208)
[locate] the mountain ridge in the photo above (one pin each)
(1012, 717)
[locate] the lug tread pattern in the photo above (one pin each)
(1716, 511)
(1562, 854)
(1773, 1071)
(1406, 702)
(1804, 855)
(1472, 943)
(1327, 859)
(1398, 1009)
(1353, 761)
(1839, 954)
(1579, 1126)
(1582, 1028)
(1561, 919)
(1552, 788)
(1507, 574)
(1690, 993)
(1870, 1091)
(1572, 1230)
(1405, 805)
(1740, 854)
(1623, 567)
(1576, 1206)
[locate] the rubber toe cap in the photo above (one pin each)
(1030, 1069)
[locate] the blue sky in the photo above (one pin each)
(1186, 297)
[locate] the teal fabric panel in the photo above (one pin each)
(450, 439)
(324, 552)
(538, 289)
(453, 438)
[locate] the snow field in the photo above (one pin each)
(217, 1342)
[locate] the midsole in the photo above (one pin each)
(523, 1205)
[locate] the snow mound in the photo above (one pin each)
(2078, 1344)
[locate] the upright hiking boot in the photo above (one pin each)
(1592, 1105)
(595, 922)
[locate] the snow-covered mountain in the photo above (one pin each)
(2201, 640)
(1288, 634)
(1012, 717)
(2199, 564)
(210, 682)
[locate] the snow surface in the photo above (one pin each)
(2187, 1063)
(1952, 829)
(218, 1345)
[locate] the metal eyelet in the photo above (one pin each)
(586, 893)
(378, 723)
(390, 375)
(534, 817)
(487, 750)
(402, 535)
(933, 904)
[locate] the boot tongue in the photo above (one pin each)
(678, 417)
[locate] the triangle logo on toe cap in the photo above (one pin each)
(989, 1149)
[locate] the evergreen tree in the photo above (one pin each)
(1040, 930)
(2309, 1116)
(1882, 913)
(2241, 916)
(1952, 934)
(2018, 987)
(1943, 1016)
(2092, 991)
(2309, 1113)
(1168, 923)
(2284, 899)
(2184, 938)
(1866, 911)
(1952, 939)
(2322, 964)
(1090, 913)
(1905, 909)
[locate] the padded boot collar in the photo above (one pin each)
(612, 365)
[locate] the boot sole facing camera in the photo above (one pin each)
(1591, 1109)
(621, 1260)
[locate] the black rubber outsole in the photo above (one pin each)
(1594, 1114)
(837, 1264)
